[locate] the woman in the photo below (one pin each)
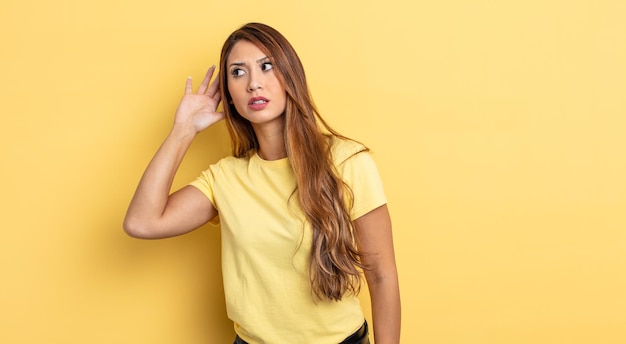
(301, 208)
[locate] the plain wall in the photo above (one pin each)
(497, 126)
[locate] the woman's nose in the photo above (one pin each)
(253, 87)
(254, 83)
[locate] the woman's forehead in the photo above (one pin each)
(245, 52)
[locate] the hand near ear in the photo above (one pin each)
(198, 111)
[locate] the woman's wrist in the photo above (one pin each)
(183, 133)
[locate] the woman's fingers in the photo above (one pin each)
(205, 82)
(188, 88)
(214, 88)
(204, 88)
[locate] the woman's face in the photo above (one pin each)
(256, 92)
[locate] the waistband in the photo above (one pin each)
(358, 337)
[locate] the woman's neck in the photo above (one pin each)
(271, 141)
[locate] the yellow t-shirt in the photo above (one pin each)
(266, 247)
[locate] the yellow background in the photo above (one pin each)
(498, 128)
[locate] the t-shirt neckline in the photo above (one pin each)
(271, 163)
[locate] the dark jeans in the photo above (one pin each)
(358, 337)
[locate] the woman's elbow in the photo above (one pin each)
(136, 228)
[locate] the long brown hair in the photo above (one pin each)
(323, 196)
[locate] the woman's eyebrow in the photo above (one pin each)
(243, 63)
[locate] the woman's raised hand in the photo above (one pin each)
(197, 111)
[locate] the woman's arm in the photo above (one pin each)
(376, 245)
(153, 212)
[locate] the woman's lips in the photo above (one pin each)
(258, 103)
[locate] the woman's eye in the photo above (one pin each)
(266, 66)
(237, 72)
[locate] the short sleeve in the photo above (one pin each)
(204, 182)
(360, 173)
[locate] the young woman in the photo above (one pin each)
(302, 208)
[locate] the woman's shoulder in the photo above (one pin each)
(343, 148)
